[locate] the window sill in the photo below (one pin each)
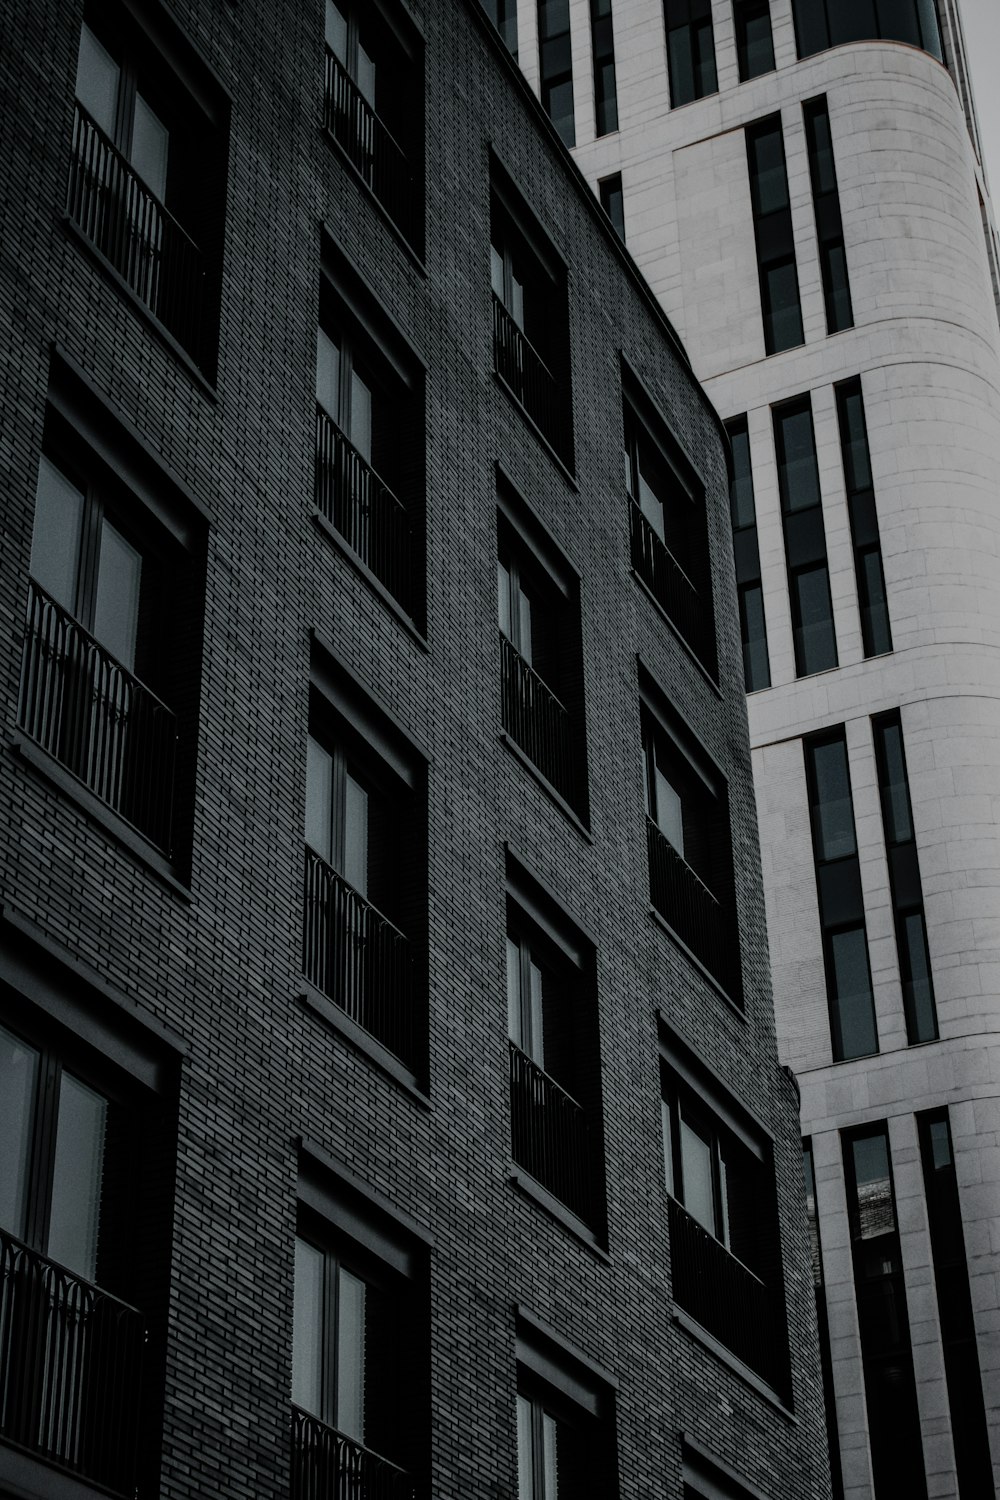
(706, 974)
(708, 1341)
(397, 234)
(546, 785)
(98, 811)
(319, 1005)
(148, 317)
(564, 468)
(713, 684)
(532, 1188)
(333, 535)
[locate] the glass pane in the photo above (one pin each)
(549, 1461)
(833, 814)
(839, 312)
(496, 271)
(810, 27)
(857, 469)
(668, 1145)
(756, 667)
(895, 791)
(918, 991)
(76, 1177)
(537, 1047)
(525, 1475)
(97, 76)
(769, 179)
(360, 425)
(758, 49)
(940, 1143)
(350, 1412)
(116, 608)
(150, 142)
(815, 640)
(897, 20)
(319, 800)
(821, 150)
(705, 81)
(782, 311)
(874, 1186)
(669, 812)
(515, 1026)
(741, 496)
(723, 1200)
(524, 633)
(930, 31)
(328, 375)
(874, 605)
(336, 31)
(366, 75)
(355, 869)
(18, 1087)
(307, 1329)
(55, 541)
(516, 305)
(852, 21)
(854, 1014)
(503, 599)
(681, 61)
(696, 1174)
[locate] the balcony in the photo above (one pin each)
(699, 919)
(362, 509)
(156, 258)
(549, 1136)
(70, 1367)
(725, 1297)
(537, 721)
(98, 720)
(524, 372)
(686, 609)
(358, 959)
(326, 1465)
(370, 148)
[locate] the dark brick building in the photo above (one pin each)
(387, 1075)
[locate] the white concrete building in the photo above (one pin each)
(868, 554)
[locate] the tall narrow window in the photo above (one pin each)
(829, 229)
(904, 880)
(756, 667)
(822, 1321)
(805, 538)
(772, 220)
(754, 43)
(958, 1332)
(883, 1323)
(555, 59)
(605, 85)
(613, 202)
(820, 24)
(690, 50)
(874, 605)
(841, 904)
(503, 14)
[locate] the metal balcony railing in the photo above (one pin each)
(358, 958)
(70, 1368)
(526, 374)
(688, 611)
(698, 918)
(549, 1135)
(97, 719)
(534, 717)
(370, 147)
(724, 1295)
(143, 241)
(326, 1465)
(362, 509)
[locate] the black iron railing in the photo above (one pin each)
(70, 1368)
(99, 721)
(534, 385)
(688, 611)
(158, 259)
(724, 1295)
(362, 508)
(370, 148)
(358, 958)
(549, 1135)
(696, 915)
(326, 1465)
(534, 717)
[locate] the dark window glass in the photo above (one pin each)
(873, 602)
(556, 66)
(756, 665)
(853, 1014)
(832, 807)
(805, 539)
(820, 24)
(605, 85)
(822, 1321)
(690, 50)
(503, 14)
(754, 44)
(829, 229)
(779, 285)
(613, 202)
(753, 632)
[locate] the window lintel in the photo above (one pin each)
(367, 310)
(679, 732)
(375, 723)
(529, 891)
(552, 1359)
(521, 516)
(702, 1080)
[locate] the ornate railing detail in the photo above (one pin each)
(697, 916)
(369, 146)
(670, 586)
(534, 717)
(525, 372)
(549, 1135)
(362, 508)
(326, 1465)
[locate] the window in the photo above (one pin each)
(605, 87)
(555, 61)
(829, 229)
(841, 903)
(754, 44)
(148, 168)
(904, 880)
(369, 437)
(530, 329)
(690, 50)
(565, 1420)
(750, 591)
(772, 219)
(813, 631)
(725, 1260)
(822, 1321)
(886, 1356)
(374, 105)
(688, 840)
(668, 527)
(820, 24)
(613, 202)
(875, 633)
(503, 14)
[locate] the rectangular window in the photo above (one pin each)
(690, 50)
(873, 602)
(555, 63)
(772, 219)
(820, 24)
(822, 1321)
(829, 229)
(503, 14)
(750, 592)
(904, 880)
(805, 538)
(613, 202)
(841, 904)
(754, 44)
(605, 86)
(564, 1420)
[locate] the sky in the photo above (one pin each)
(982, 42)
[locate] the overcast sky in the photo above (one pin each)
(982, 41)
